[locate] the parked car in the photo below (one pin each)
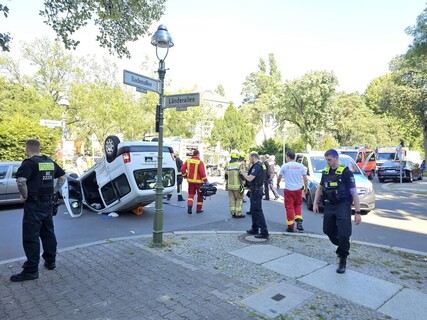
(365, 159)
(9, 193)
(123, 180)
(315, 163)
(390, 170)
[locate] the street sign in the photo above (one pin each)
(138, 89)
(182, 100)
(140, 81)
(181, 108)
(51, 123)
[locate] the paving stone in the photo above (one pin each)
(277, 299)
(260, 253)
(354, 286)
(406, 305)
(294, 265)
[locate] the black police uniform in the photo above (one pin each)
(337, 198)
(40, 172)
(256, 187)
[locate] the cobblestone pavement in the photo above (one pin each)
(193, 276)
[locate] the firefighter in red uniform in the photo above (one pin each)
(194, 171)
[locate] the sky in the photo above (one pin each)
(221, 41)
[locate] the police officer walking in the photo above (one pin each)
(35, 179)
(255, 177)
(339, 191)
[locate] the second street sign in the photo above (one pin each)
(182, 100)
(140, 81)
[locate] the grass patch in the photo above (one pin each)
(408, 277)
(394, 272)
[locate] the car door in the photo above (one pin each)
(12, 188)
(3, 182)
(73, 199)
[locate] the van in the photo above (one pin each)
(123, 180)
(364, 158)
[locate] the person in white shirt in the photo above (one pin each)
(294, 175)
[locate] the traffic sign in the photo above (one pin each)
(51, 123)
(138, 89)
(182, 100)
(181, 108)
(140, 81)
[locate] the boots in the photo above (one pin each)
(190, 210)
(180, 198)
(342, 264)
(299, 224)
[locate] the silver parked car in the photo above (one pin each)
(9, 193)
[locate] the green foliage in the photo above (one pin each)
(270, 146)
(16, 129)
(259, 89)
(220, 90)
(355, 124)
(5, 37)
(118, 21)
(419, 33)
(307, 103)
(232, 131)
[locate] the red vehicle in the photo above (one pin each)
(365, 159)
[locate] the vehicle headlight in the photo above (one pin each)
(369, 189)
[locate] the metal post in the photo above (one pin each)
(64, 133)
(158, 212)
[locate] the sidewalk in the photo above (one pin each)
(216, 275)
(417, 187)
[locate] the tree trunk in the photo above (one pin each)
(425, 136)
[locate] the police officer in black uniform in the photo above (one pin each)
(339, 191)
(179, 178)
(35, 179)
(255, 177)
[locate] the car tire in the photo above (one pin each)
(111, 145)
(364, 213)
(309, 201)
(410, 177)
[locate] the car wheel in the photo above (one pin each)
(111, 145)
(364, 213)
(309, 201)
(381, 179)
(410, 177)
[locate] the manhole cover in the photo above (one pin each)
(247, 238)
(278, 297)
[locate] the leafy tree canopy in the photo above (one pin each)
(118, 21)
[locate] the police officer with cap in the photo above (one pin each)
(179, 178)
(35, 179)
(338, 189)
(255, 177)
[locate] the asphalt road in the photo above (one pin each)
(400, 220)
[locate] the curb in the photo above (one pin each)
(180, 233)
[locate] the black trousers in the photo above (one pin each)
(258, 220)
(337, 226)
(38, 224)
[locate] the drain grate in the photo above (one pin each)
(278, 297)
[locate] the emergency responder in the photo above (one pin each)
(242, 161)
(179, 178)
(255, 178)
(338, 189)
(194, 171)
(294, 174)
(35, 179)
(234, 185)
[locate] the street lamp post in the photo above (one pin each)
(162, 40)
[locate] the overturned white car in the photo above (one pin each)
(123, 180)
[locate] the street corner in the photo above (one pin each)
(416, 187)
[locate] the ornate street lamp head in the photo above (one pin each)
(163, 40)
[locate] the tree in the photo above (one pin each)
(307, 103)
(355, 124)
(118, 21)
(220, 90)
(232, 131)
(5, 37)
(259, 90)
(16, 129)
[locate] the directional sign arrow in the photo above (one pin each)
(140, 81)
